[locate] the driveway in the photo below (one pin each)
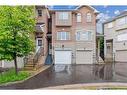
(74, 74)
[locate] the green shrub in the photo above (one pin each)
(10, 76)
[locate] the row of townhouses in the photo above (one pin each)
(70, 37)
(115, 38)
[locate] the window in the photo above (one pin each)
(110, 25)
(84, 36)
(39, 12)
(63, 15)
(79, 17)
(121, 21)
(78, 36)
(39, 42)
(89, 17)
(122, 37)
(63, 35)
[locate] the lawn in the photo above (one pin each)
(10, 76)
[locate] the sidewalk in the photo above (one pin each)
(90, 86)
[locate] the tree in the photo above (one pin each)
(16, 25)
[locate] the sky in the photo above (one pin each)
(106, 12)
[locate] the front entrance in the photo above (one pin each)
(50, 48)
(109, 49)
(39, 43)
(62, 57)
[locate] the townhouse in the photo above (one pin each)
(115, 38)
(65, 36)
(74, 35)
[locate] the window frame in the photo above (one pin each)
(39, 42)
(89, 17)
(110, 25)
(79, 17)
(120, 22)
(38, 12)
(82, 35)
(63, 35)
(63, 15)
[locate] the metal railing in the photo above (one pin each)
(33, 59)
(39, 53)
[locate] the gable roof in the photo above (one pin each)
(76, 8)
(95, 11)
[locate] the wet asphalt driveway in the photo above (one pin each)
(74, 74)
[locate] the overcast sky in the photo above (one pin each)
(106, 12)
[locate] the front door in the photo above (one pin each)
(50, 48)
(109, 46)
(38, 43)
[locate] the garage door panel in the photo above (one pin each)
(62, 57)
(121, 56)
(84, 57)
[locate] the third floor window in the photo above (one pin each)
(78, 17)
(88, 17)
(63, 16)
(39, 12)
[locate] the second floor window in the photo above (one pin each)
(122, 21)
(39, 12)
(88, 17)
(78, 17)
(63, 15)
(39, 42)
(110, 25)
(63, 35)
(84, 36)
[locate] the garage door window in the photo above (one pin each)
(63, 36)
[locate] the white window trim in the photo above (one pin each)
(65, 36)
(78, 17)
(122, 37)
(110, 25)
(122, 22)
(63, 15)
(88, 17)
(81, 35)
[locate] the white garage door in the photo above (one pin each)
(62, 57)
(121, 56)
(84, 57)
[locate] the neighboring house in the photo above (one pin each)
(42, 21)
(39, 37)
(74, 35)
(115, 38)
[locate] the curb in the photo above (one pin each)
(10, 83)
(89, 86)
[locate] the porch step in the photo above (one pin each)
(31, 67)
